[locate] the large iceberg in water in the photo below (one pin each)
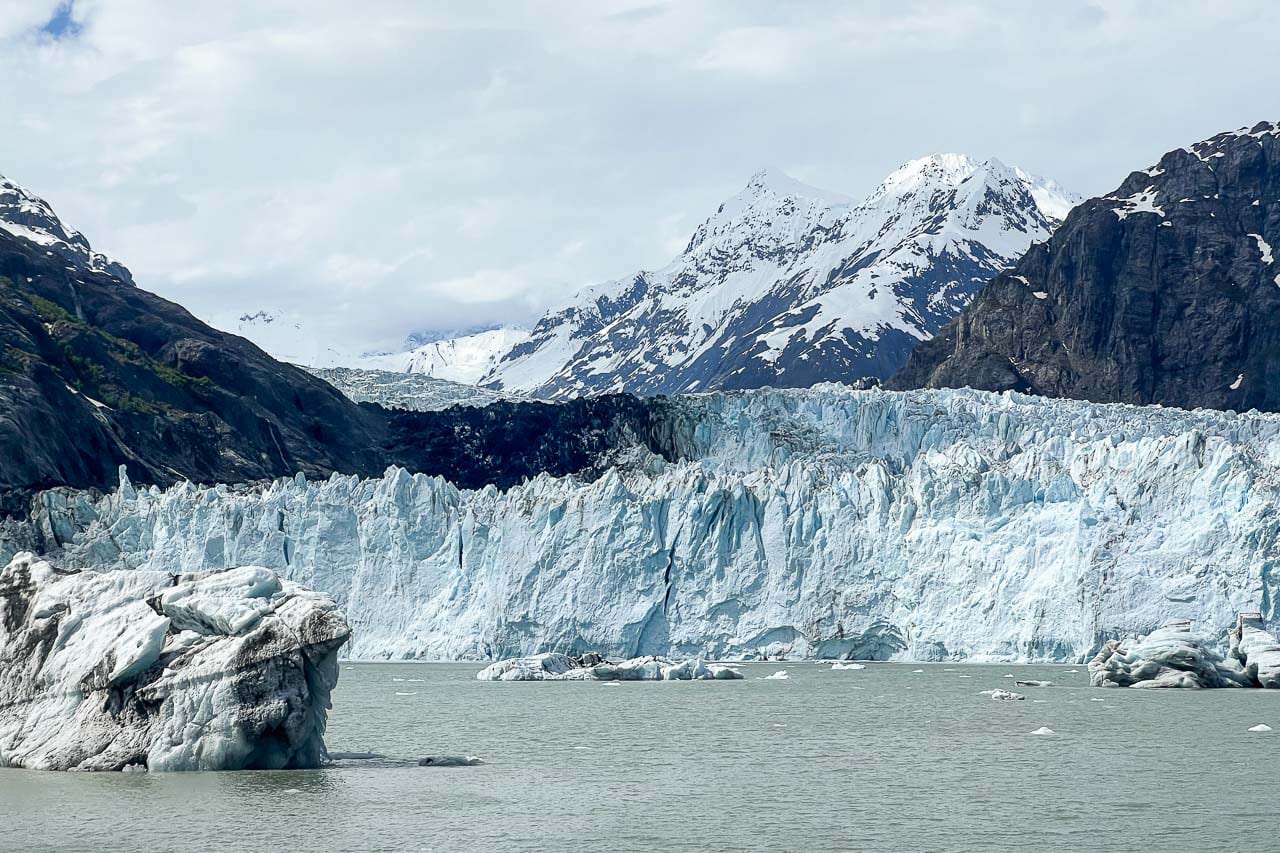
(823, 522)
(1177, 656)
(121, 670)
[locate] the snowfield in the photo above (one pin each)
(828, 522)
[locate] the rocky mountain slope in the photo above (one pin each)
(787, 285)
(1164, 291)
(829, 522)
(95, 374)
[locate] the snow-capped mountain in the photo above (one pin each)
(788, 285)
(30, 217)
(464, 359)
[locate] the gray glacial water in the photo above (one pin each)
(879, 759)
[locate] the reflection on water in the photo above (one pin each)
(883, 758)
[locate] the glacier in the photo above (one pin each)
(226, 670)
(824, 522)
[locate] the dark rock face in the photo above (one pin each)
(1166, 291)
(94, 375)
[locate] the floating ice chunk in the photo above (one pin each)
(917, 670)
(1235, 386)
(1175, 656)
(532, 668)
(558, 667)
(413, 693)
(1031, 682)
(780, 675)
(1261, 727)
(1040, 294)
(449, 761)
(847, 666)
(1044, 730)
(1097, 699)
(1006, 695)
(1007, 675)
(1256, 650)
(224, 670)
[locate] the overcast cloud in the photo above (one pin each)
(383, 167)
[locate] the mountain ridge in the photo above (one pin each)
(1163, 291)
(779, 286)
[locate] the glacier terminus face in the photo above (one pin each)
(829, 522)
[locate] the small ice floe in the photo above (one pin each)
(779, 725)
(354, 756)
(397, 679)
(1006, 695)
(1235, 386)
(411, 693)
(780, 675)
(917, 670)
(964, 676)
(1031, 682)
(839, 665)
(1071, 671)
(1096, 699)
(292, 791)
(134, 768)
(1261, 727)
(1008, 675)
(449, 761)
(1043, 730)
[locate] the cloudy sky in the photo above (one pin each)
(379, 168)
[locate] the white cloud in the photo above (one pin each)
(398, 166)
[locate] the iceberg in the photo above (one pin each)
(139, 670)
(787, 524)
(847, 666)
(592, 667)
(1004, 695)
(1257, 650)
(1173, 656)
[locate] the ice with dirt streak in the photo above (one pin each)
(134, 670)
(827, 522)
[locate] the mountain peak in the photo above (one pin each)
(29, 217)
(780, 183)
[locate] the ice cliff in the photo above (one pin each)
(822, 522)
(112, 670)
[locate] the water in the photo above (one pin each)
(879, 759)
